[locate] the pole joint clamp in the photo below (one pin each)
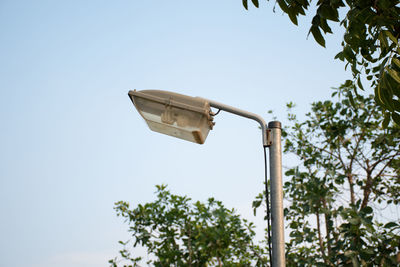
(269, 137)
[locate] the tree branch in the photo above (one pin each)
(321, 244)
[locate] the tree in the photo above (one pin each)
(370, 45)
(176, 232)
(349, 173)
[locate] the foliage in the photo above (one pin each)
(176, 232)
(349, 173)
(370, 44)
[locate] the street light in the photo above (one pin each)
(177, 115)
(191, 119)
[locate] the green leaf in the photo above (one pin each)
(292, 15)
(348, 53)
(290, 172)
(383, 41)
(396, 118)
(317, 35)
(367, 210)
(354, 221)
(391, 37)
(393, 85)
(390, 225)
(328, 12)
(359, 83)
(385, 97)
(396, 104)
(394, 74)
(386, 120)
(348, 83)
(340, 56)
(396, 62)
(350, 96)
(282, 4)
(245, 4)
(324, 26)
(255, 3)
(355, 262)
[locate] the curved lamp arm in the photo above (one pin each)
(245, 114)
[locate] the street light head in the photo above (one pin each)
(177, 115)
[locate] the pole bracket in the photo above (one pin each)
(269, 137)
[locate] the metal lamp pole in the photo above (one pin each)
(271, 137)
(275, 155)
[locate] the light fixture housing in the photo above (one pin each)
(177, 115)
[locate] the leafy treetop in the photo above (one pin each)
(177, 232)
(370, 45)
(349, 173)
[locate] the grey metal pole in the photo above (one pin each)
(275, 156)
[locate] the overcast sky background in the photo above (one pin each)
(71, 143)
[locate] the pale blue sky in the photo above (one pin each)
(72, 143)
